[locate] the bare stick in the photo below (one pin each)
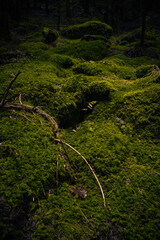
(7, 90)
(57, 140)
(57, 177)
(20, 98)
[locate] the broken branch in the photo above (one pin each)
(6, 92)
(57, 140)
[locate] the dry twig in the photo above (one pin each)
(6, 92)
(57, 140)
(56, 131)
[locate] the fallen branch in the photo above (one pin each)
(36, 110)
(6, 92)
(57, 134)
(57, 140)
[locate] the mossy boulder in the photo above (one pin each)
(89, 28)
(144, 70)
(87, 69)
(50, 35)
(62, 60)
(98, 90)
(33, 48)
(92, 50)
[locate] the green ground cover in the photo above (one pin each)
(107, 107)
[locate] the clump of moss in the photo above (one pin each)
(89, 28)
(94, 50)
(117, 65)
(33, 48)
(141, 107)
(87, 69)
(98, 90)
(50, 35)
(62, 60)
(144, 70)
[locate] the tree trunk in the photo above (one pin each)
(47, 7)
(28, 5)
(145, 8)
(58, 15)
(106, 12)
(35, 4)
(68, 9)
(4, 21)
(86, 5)
(143, 27)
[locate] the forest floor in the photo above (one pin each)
(105, 98)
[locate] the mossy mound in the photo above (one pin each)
(98, 90)
(33, 48)
(107, 109)
(144, 70)
(89, 28)
(50, 35)
(143, 107)
(87, 69)
(62, 61)
(94, 50)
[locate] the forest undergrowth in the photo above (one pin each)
(106, 103)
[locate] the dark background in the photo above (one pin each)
(122, 15)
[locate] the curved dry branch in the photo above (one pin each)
(57, 134)
(57, 140)
(36, 110)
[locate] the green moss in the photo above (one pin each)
(50, 35)
(144, 70)
(89, 28)
(33, 48)
(108, 109)
(62, 61)
(98, 90)
(87, 69)
(94, 50)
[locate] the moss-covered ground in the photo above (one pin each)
(107, 107)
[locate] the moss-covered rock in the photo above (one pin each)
(89, 28)
(98, 90)
(87, 69)
(33, 48)
(144, 70)
(62, 60)
(50, 35)
(92, 50)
